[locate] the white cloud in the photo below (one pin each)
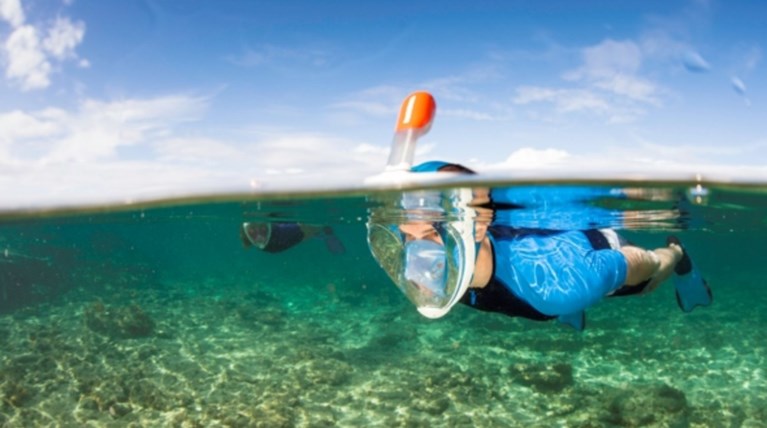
(310, 151)
(530, 94)
(30, 60)
(608, 58)
(95, 130)
(647, 162)
(565, 100)
(659, 43)
(696, 153)
(18, 125)
(632, 87)
(27, 63)
(613, 66)
(528, 158)
(198, 150)
(11, 12)
(63, 37)
(366, 148)
(608, 83)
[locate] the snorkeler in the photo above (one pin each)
(442, 247)
(539, 274)
(275, 237)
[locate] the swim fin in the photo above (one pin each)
(691, 289)
(575, 320)
(333, 244)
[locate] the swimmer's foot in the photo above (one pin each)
(691, 289)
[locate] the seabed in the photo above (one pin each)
(217, 353)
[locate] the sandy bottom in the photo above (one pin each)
(203, 353)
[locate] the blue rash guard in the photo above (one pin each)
(542, 274)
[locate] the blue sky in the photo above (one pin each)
(114, 100)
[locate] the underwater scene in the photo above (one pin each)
(207, 219)
(272, 311)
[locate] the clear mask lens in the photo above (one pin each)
(426, 269)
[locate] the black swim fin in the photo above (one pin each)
(333, 244)
(691, 289)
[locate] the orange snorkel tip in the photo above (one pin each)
(416, 112)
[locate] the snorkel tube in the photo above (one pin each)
(416, 115)
(433, 275)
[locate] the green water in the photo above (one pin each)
(158, 316)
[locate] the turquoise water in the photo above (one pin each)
(159, 316)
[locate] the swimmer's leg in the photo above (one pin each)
(649, 268)
(646, 269)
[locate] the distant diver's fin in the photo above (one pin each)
(691, 289)
(333, 244)
(576, 320)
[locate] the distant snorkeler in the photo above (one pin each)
(275, 237)
(443, 247)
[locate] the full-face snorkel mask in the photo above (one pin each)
(428, 250)
(424, 240)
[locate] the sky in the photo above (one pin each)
(122, 100)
